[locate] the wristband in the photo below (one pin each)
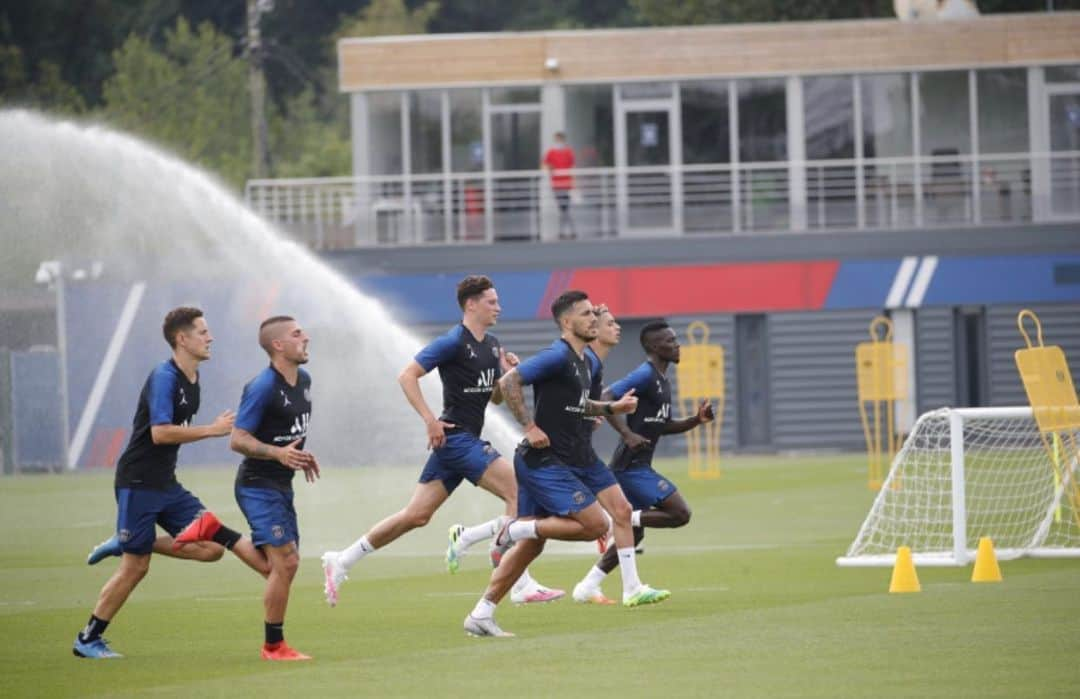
(608, 410)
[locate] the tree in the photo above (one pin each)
(190, 96)
(388, 17)
(689, 12)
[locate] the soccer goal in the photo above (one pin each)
(965, 473)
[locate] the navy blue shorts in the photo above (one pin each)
(139, 509)
(270, 515)
(464, 455)
(558, 489)
(644, 487)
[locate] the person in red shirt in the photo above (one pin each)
(559, 160)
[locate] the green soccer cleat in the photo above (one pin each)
(645, 595)
(453, 555)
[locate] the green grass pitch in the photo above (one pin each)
(758, 607)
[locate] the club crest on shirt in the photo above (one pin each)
(495, 352)
(579, 497)
(277, 531)
(124, 536)
(307, 394)
(663, 485)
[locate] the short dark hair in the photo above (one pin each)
(264, 337)
(472, 286)
(180, 318)
(565, 301)
(651, 327)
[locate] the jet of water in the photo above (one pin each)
(86, 191)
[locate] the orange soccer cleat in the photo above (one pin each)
(282, 651)
(202, 528)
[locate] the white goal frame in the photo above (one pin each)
(960, 554)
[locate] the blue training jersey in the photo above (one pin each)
(274, 413)
(652, 415)
(167, 398)
(562, 382)
(468, 369)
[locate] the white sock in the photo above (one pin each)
(628, 567)
(635, 518)
(595, 578)
(488, 529)
(523, 530)
(523, 582)
(484, 609)
(354, 553)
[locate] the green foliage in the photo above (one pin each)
(388, 17)
(46, 90)
(690, 12)
(307, 143)
(191, 96)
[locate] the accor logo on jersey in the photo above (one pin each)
(485, 382)
(298, 430)
(580, 407)
(662, 414)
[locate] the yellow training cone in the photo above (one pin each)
(904, 578)
(986, 565)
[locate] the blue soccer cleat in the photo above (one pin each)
(109, 547)
(97, 649)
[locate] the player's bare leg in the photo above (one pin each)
(284, 562)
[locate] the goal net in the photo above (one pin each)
(971, 472)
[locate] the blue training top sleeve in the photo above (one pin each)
(544, 364)
(596, 389)
(638, 379)
(440, 351)
(160, 400)
(253, 402)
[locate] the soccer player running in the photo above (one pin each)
(270, 431)
(559, 482)
(470, 362)
(656, 501)
(147, 492)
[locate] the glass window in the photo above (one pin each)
(515, 140)
(705, 122)
(1003, 114)
(1062, 74)
(762, 120)
(829, 114)
(645, 91)
(590, 124)
(425, 131)
(514, 95)
(945, 113)
(466, 131)
(384, 133)
(886, 115)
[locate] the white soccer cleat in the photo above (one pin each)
(334, 575)
(584, 594)
(536, 593)
(484, 627)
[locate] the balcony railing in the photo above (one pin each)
(691, 200)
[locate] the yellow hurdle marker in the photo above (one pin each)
(986, 565)
(904, 577)
(881, 374)
(700, 373)
(1052, 395)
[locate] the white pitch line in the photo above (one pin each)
(105, 372)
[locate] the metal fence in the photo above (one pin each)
(690, 200)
